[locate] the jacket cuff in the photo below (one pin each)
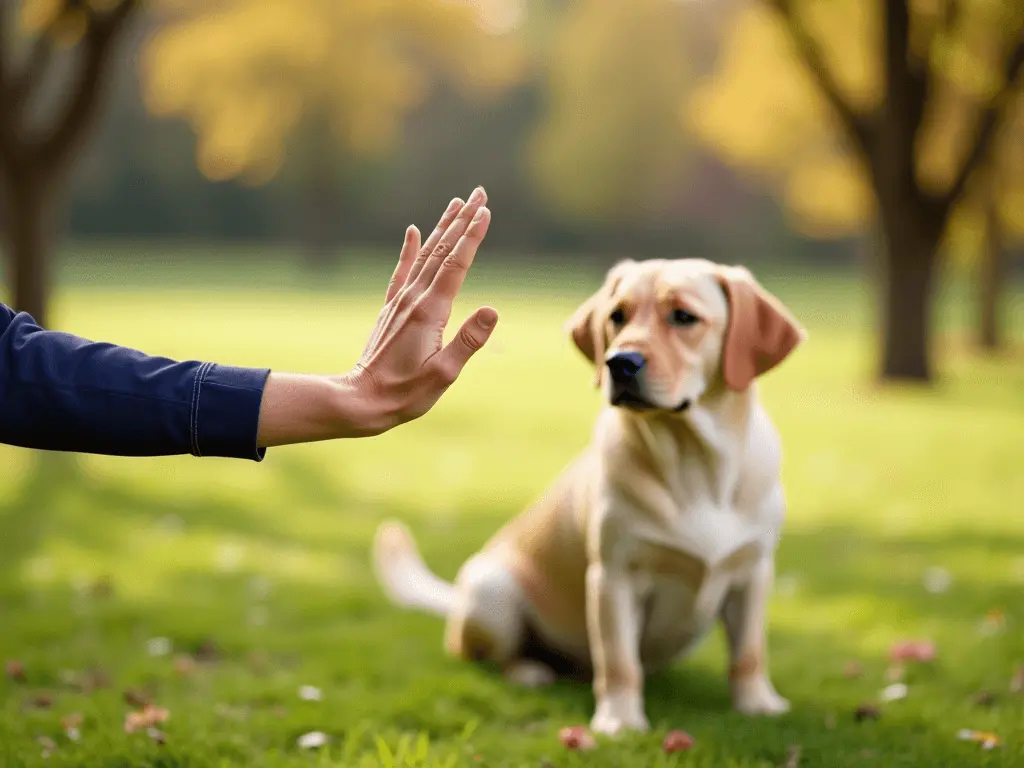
(225, 413)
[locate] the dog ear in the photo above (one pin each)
(580, 327)
(761, 332)
(586, 327)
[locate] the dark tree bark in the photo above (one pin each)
(29, 215)
(912, 219)
(992, 275)
(34, 163)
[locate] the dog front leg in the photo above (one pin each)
(744, 617)
(613, 626)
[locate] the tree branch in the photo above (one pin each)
(988, 125)
(83, 103)
(31, 73)
(859, 126)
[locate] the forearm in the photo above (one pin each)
(64, 393)
(302, 408)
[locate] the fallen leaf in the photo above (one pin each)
(677, 741)
(147, 717)
(157, 735)
(986, 739)
(15, 671)
(310, 693)
(792, 757)
(853, 669)
(866, 712)
(42, 701)
(74, 720)
(912, 651)
(207, 652)
(895, 692)
(984, 699)
(577, 737)
(134, 697)
(312, 740)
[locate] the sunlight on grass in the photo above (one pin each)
(272, 558)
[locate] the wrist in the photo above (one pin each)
(356, 412)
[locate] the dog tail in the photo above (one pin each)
(406, 579)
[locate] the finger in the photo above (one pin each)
(452, 272)
(450, 238)
(410, 248)
(442, 226)
(470, 339)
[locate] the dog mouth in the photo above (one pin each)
(630, 400)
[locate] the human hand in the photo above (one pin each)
(405, 367)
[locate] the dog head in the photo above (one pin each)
(661, 333)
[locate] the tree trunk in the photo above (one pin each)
(28, 234)
(991, 278)
(909, 275)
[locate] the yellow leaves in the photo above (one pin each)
(762, 111)
(760, 116)
(63, 21)
(246, 73)
(37, 15)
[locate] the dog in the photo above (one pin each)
(665, 524)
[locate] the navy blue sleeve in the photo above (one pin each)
(60, 392)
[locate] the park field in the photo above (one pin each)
(126, 567)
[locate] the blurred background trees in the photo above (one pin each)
(43, 125)
(894, 115)
(775, 133)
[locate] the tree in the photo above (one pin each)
(871, 110)
(250, 74)
(609, 146)
(37, 151)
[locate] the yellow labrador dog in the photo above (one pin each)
(668, 520)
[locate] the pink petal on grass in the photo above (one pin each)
(577, 737)
(912, 650)
(677, 741)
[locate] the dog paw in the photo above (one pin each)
(615, 716)
(760, 699)
(530, 674)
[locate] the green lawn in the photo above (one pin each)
(269, 562)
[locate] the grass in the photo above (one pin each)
(268, 562)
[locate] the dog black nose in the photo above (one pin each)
(624, 366)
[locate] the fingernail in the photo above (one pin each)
(456, 201)
(477, 196)
(480, 213)
(487, 320)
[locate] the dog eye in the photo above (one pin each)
(682, 318)
(618, 317)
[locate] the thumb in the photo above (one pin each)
(471, 337)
